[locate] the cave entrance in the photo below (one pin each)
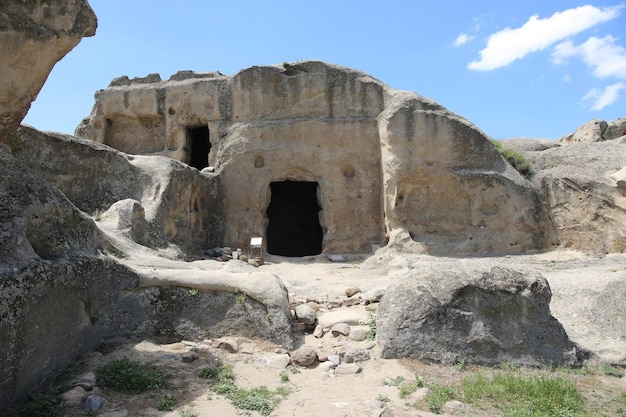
(198, 141)
(294, 226)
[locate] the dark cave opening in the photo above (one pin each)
(198, 140)
(294, 227)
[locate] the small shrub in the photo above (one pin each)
(167, 402)
(394, 382)
(185, 413)
(610, 370)
(284, 376)
(259, 399)
(383, 398)
(209, 372)
(43, 406)
(514, 158)
(125, 375)
(438, 396)
(240, 297)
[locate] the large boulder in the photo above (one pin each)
(34, 35)
(486, 316)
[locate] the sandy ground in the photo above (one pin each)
(577, 281)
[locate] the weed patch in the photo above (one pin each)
(259, 399)
(514, 158)
(125, 375)
(516, 395)
(48, 405)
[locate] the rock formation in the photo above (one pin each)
(582, 185)
(63, 273)
(296, 150)
(34, 35)
(490, 316)
(321, 158)
(597, 131)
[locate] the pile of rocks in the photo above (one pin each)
(84, 393)
(345, 336)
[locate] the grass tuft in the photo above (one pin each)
(48, 405)
(522, 396)
(514, 158)
(259, 399)
(128, 376)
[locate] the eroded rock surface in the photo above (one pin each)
(34, 35)
(357, 141)
(486, 316)
(582, 187)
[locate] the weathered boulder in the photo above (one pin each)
(485, 316)
(180, 205)
(596, 131)
(615, 129)
(59, 296)
(592, 131)
(581, 185)
(328, 143)
(34, 35)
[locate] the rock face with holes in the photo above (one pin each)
(321, 158)
(492, 315)
(34, 35)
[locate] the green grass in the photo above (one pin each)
(610, 370)
(514, 158)
(383, 398)
(128, 376)
(259, 399)
(438, 396)
(48, 405)
(167, 402)
(517, 395)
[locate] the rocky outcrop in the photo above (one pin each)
(34, 35)
(582, 186)
(374, 162)
(486, 316)
(59, 297)
(597, 131)
(66, 273)
(173, 203)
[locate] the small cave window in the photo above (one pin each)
(293, 213)
(200, 145)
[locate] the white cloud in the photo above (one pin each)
(603, 55)
(536, 34)
(462, 39)
(606, 97)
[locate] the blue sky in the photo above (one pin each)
(531, 68)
